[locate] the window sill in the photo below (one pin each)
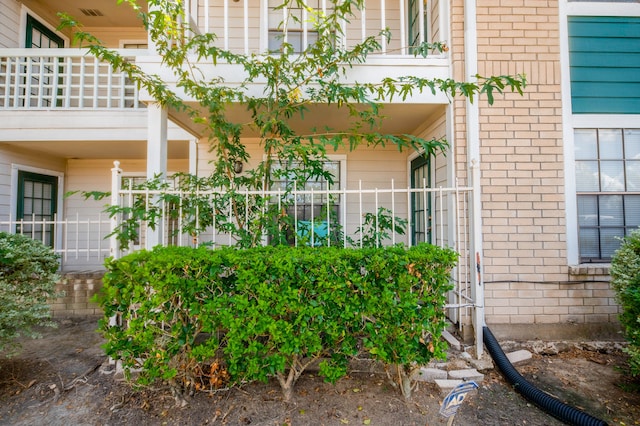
(590, 269)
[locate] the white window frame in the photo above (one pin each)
(341, 159)
(15, 168)
(24, 11)
(122, 43)
(571, 121)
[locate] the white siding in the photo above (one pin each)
(23, 157)
(434, 23)
(9, 23)
(95, 175)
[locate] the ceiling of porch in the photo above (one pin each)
(398, 118)
(98, 149)
(86, 133)
(91, 13)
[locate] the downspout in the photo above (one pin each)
(473, 158)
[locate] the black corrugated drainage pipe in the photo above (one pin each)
(549, 404)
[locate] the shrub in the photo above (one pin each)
(27, 281)
(272, 311)
(625, 279)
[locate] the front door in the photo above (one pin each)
(37, 205)
(416, 31)
(41, 87)
(421, 201)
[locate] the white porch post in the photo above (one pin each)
(193, 156)
(151, 45)
(156, 159)
(114, 246)
(116, 184)
(473, 157)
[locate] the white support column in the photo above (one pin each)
(473, 157)
(193, 157)
(151, 45)
(116, 183)
(156, 140)
(156, 159)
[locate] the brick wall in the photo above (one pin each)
(79, 288)
(527, 279)
(585, 297)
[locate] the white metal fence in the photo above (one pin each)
(81, 242)
(63, 78)
(342, 217)
(443, 219)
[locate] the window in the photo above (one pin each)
(40, 37)
(130, 93)
(320, 211)
(37, 202)
(420, 202)
(608, 189)
(416, 32)
(296, 21)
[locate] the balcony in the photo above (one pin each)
(249, 26)
(69, 78)
(62, 78)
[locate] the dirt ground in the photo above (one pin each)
(63, 379)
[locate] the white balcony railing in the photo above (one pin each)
(62, 78)
(251, 26)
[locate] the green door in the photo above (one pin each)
(414, 22)
(37, 202)
(42, 70)
(41, 37)
(421, 202)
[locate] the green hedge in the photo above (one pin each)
(625, 279)
(267, 312)
(27, 281)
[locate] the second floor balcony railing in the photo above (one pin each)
(255, 26)
(71, 78)
(62, 78)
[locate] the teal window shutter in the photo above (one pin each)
(604, 59)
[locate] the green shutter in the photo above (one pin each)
(604, 58)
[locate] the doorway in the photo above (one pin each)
(37, 202)
(421, 201)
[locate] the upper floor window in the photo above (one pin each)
(608, 189)
(292, 25)
(40, 36)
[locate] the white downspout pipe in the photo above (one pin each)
(473, 157)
